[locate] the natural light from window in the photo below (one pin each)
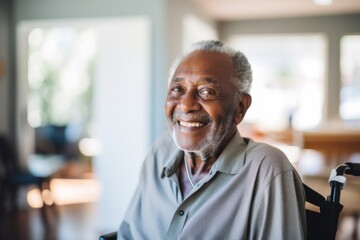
(350, 78)
(288, 79)
(60, 75)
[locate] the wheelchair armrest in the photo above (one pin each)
(109, 236)
(314, 197)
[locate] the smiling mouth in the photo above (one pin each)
(191, 124)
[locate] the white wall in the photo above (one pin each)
(186, 25)
(121, 113)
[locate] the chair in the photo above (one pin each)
(321, 225)
(12, 178)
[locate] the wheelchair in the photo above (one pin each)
(321, 225)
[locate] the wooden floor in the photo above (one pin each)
(65, 223)
(78, 222)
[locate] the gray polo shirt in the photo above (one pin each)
(251, 192)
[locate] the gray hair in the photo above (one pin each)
(243, 73)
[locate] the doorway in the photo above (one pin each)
(84, 92)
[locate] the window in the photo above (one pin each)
(350, 78)
(60, 75)
(288, 79)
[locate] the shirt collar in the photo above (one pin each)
(172, 165)
(232, 158)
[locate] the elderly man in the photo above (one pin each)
(202, 180)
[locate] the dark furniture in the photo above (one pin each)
(13, 178)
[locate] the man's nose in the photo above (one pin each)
(189, 102)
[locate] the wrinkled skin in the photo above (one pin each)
(202, 109)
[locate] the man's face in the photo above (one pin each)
(200, 105)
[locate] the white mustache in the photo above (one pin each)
(191, 118)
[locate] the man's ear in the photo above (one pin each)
(243, 106)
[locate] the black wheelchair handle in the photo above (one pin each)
(354, 169)
(337, 179)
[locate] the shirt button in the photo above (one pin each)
(181, 212)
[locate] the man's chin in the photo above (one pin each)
(188, 146)
(188, 143)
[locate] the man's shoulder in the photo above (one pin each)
(267, 155)
(263, 148)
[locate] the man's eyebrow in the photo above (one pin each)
(178, 79)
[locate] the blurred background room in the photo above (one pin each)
(82, 89)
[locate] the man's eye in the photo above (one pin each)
(207, 94)
(176, 90)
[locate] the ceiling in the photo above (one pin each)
(223, 10)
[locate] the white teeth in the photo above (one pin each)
(191, 124)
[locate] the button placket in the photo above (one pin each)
(177, 223)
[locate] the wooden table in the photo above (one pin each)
(336, 145)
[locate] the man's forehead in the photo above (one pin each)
(205, 80)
